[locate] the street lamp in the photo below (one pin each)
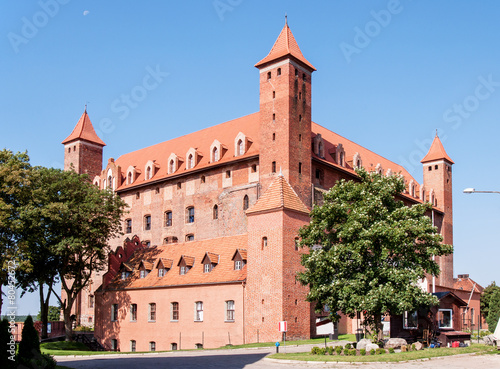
(473, 190)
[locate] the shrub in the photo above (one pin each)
(44, 361)
(315, 350)
(30, 343)
(348, 346)
(352, 352)
(338, 350)
(372, 352)
(330, 350)
(391, 350)
(322, 351)
(413, 347)
(380, 351)
(362, 352)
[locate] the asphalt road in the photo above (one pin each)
(256, 359)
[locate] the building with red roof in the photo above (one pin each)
(209, 253)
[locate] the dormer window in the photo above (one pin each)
(125, 275)
(190, 161)
(185, 264)
(163, 266)
(129, 178)
(143, 273)
(209, 262)
(215, 154)
(171, 166)
(357, 160)
(239, 258)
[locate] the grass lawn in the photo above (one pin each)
(403, 356)
(62, 348)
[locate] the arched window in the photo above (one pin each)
(190, 161)
(341, 159)
(264, 242)
(216, 212)
(171, 166)
(129, 181)
(110, 182)
(215, 154)
(245, 202)
(273, 167)
(148, 173)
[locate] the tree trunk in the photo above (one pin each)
(379, 327)
(43, 312)
(68, 324)
(1, 297)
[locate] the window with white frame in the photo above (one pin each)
(215, 154)
(230, 310)
(238, 264)
(152, 346)
(198, 312)
(445, 318)
(410, 320)
(132, 345)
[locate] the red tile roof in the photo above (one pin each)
(84, 130)
(466, 284)
(166, 263)
(279, 195)
(285, 45)
(225, 133)
(222, 273)
(369, 158)
(436, 152)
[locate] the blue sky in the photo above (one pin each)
(389, 73)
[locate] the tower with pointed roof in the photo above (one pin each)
(83, 149)
(437, 189)
(272, 291)
(285, 115)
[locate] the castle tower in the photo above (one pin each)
(272, 293)
(438, 190)
(83, 149)
(285, 116)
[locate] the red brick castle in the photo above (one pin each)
(209, 255)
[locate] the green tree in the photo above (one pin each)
(8, 352)
(368, 250)
(54, 314)
(486, 297)
(29, 346)
(493, 311)
(71, 223)
(14, 179)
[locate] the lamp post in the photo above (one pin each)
(473, 190)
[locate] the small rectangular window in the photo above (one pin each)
(152, 312)
(207, 267)
(190, 215)
(133, 312)
(445, 318)
(230, 310)
(175, 311)
(410, 320)
(132, 346)
(238, 265)
(114, 344)
(147, 223)
(114, 312)
(228, 174)
(152, 346)
(128, 226)
(300, 168)
(91, 301)
(198, 311)
(168, 219)
(273, 167)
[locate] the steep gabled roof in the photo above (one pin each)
(188, 260)
(279, 195)
(241, 252)
(212, 258)
(224, 247)
(285, 45)
(84, 130)
(436, 152)
(166, 263)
